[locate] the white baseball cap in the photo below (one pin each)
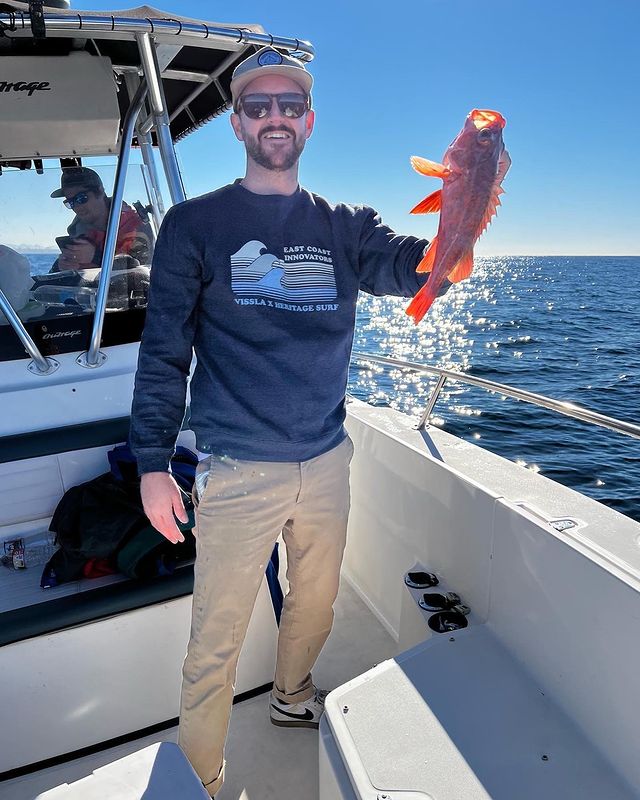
(269, 61)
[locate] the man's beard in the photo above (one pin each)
(277, 162)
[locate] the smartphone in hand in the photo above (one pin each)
(64, 241)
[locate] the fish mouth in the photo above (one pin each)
(484, 118)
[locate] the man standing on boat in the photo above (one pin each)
(261, 279)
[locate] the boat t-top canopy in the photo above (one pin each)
(196, 59)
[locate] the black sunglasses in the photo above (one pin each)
(77, 200)
(258, 106)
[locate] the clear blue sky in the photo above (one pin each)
(397, 79)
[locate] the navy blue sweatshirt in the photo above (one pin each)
(264, 289)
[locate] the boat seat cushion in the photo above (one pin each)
(64, 612)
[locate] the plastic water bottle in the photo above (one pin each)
(70, 297)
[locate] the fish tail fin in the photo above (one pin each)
(420, 304)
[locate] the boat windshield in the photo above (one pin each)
(51, 247)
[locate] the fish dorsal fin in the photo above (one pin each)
(428, 260)
(430, 205)
(489, 214)
(431, 168)
(463, 268)
(494, 201)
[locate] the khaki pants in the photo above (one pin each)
(242, 506)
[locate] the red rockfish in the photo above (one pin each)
(472, 169)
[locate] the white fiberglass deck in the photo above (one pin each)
(554, 619)
(264, 762)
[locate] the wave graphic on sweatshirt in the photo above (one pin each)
(258, 273)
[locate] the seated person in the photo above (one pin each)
(84, 193)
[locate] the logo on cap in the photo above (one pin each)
(269, 58)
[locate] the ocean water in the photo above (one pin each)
(565, 327)
(41, 262)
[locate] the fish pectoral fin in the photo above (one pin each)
(462, 269)
(504, 162)
(428, 260)
(431, 168)
(430, 205)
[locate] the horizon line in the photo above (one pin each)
(46, 250)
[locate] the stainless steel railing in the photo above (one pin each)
(92, 358)
(40, 365)
(200, 33)
(560, 406)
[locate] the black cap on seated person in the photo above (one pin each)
(269, 61)
(80, 178)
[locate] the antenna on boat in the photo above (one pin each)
(36, 14)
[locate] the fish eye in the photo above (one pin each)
(485, 136)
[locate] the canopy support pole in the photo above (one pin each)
(153, 77)
(93, 357)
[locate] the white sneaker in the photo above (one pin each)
(298, 715)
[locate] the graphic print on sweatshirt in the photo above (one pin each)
(304, 274)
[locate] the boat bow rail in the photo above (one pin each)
(559, 406)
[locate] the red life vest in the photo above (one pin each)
(130, 225)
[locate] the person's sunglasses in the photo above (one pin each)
(77, 200)
(258, 106)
